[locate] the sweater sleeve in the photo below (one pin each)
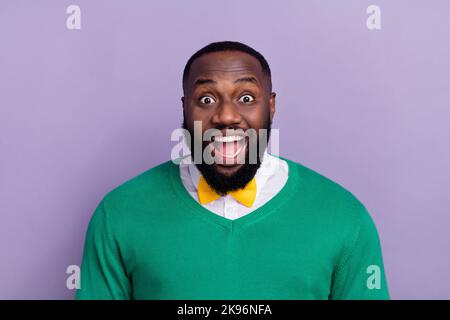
(361, 276)
(103, 275)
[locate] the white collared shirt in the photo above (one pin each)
(270, 179)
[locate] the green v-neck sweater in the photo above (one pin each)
(149, 239)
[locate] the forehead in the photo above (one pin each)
(225, 64)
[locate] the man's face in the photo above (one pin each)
(227, 91)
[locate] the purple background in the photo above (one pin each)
(83, 111)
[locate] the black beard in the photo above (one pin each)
(223, 184)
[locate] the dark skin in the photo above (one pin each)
(227, 89)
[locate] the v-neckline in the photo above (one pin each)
(233, 226)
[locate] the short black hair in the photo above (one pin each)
(228, 46)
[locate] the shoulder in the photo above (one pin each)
(333, 209)
(142, 188)
(331, 200)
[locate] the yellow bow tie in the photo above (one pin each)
(246, 196)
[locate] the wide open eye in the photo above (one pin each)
(207, 100)
(246, 98)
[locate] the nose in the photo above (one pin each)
(227, 114)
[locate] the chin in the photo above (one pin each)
(227, 170)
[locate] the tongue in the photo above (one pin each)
(228, 149)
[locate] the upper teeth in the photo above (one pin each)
(228, 138)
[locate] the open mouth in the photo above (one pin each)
(229, 150)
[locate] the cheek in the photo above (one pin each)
(256, 118)
(196, 115)
(202, 114)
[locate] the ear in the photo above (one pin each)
(272, 105)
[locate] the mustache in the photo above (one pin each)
(223, 129)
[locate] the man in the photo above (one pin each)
(224, 225)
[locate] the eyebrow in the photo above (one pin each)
(247, 79)
(201, 81)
